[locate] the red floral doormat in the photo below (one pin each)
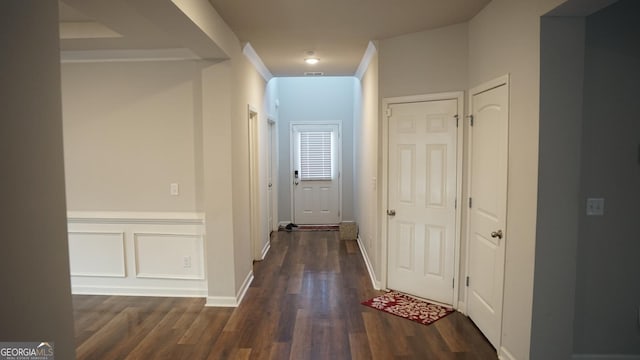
(408, 307)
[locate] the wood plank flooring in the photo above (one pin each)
(304, 303)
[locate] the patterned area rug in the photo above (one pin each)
(408, 307)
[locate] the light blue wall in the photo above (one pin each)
(315, 99)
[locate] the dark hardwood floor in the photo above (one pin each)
(304, 303)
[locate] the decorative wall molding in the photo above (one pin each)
(257, 63)
(157, 254)
(119, 217)
(169, 261)
(366, 59)
(97, 254)
(372, 275)
(128, 55)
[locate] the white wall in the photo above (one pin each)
(425, 62)
(608, 246)
(130, 131)
(34, 265)
(248, 89)
(315, 100)
(504, 39)
(367, 170)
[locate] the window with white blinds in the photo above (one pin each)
(316, 155)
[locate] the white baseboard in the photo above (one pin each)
(245, 286)
(505, 354)
(221, 301)
(282, 224)
(230, 301)
(604, 357)
(137, 291)
(265, 250)
(461, 307)
(376, 284)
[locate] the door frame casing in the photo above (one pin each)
(292, 144)
(486, 86)
(386, 102)
(272, 133)
(254, 183)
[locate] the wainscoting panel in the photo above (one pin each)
(169, 256)
(131, 253)
(97, 254)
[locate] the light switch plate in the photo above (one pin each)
(595, 206)
(174, 189)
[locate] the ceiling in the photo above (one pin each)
(280, 31)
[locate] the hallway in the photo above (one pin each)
(304, 303)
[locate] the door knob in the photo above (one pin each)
(295, 183)
(270, 184)
(497, 234)
(391, 212)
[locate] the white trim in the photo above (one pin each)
(137, 291)
(141, 275)
(372, 275)
(284, 223)
(133, 55)
(604, 357)
(256, 61)
(122, 217)
(366, 59)
(505, 354)
(461, 308)
(221, 301)
(230, 301)
(255, 231)
(244, 287)
(386, 102)
(122, 274)
(266, 249)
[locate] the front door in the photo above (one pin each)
(422, 194)
(488, 206)
(316, 173)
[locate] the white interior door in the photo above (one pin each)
(422, 192)
(488, 208)
(316, 173)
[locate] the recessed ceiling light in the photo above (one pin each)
(311, 60)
